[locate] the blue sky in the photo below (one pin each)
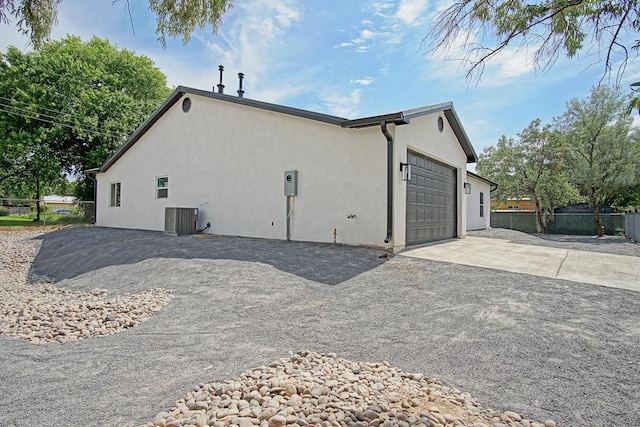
(348, 58)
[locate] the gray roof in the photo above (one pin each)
(399, 118)
(483, 179)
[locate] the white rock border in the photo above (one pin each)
(314, 389)
(44, 313)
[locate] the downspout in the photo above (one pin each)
(385, 132)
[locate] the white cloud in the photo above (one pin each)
(513, 62)
(285, 14)
(344, 105)
(410, 11)
(367, 34)
(381, 8)
(255, 44)
(365, 81)
(456, 57)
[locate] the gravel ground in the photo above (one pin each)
(41, 312)
(618, 245)
(542, 348)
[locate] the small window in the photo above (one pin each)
(481, 205)
(162, 187)
(115, 194)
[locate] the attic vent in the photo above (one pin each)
(440, 124)
(186, 105)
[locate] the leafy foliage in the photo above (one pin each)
(181, 18)
(601, 147)
(65, 108)
(35, 17)
(174, 18)
(591, 153)
(544, 27)
(531, 167)
(629, 199)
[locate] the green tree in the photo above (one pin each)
(601, 148)
(67, 107)
(546, 28)
(35, 18)
(531, 166)
(629, 199)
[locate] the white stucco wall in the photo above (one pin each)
(474, 220)
(422, 136)
(228, 160)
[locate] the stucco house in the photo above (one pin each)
(263, 170)
(516, 203)
(59, 204)
(478, 190)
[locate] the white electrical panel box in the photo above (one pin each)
(291, 183)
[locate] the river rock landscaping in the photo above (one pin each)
(41, 312)
(312, 389)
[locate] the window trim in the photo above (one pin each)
(165, 188)
(481, 204)
(115, 194)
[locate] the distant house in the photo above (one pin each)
(517, 203)
(263, 170)
(478, 193)
(62, 204)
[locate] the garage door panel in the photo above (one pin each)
(431, 200)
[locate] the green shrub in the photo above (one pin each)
(4, 211)
(34, 208)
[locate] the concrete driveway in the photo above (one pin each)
(546, 348)
(598, 268)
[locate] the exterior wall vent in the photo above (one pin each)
(179, 221)
(186, 105)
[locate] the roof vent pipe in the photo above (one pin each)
(220, 85)
(240, 91)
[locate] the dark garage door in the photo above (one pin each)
(431, 200)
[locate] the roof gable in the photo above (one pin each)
(399, 118)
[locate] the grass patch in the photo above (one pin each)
(28, 221)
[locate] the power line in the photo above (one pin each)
(35, 104)
(55, 121)
(36, 114)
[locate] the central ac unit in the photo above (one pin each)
(180, 220)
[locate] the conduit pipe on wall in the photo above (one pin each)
(385, 132)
